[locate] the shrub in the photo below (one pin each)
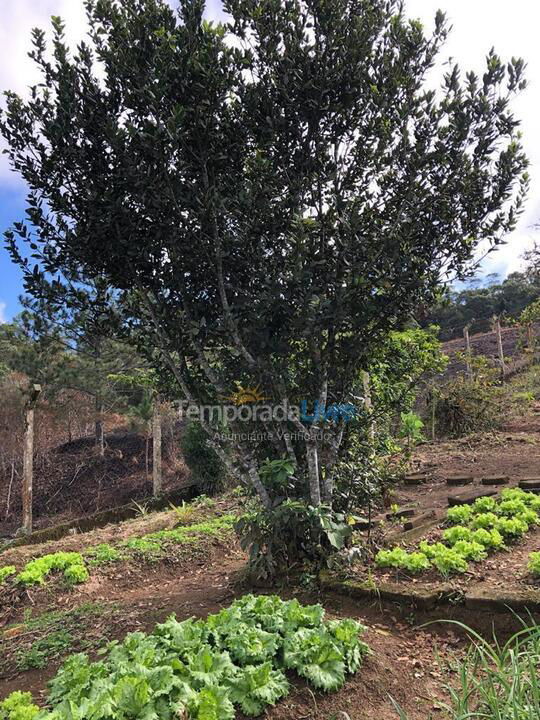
(206, 468)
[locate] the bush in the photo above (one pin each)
(206, 468)
(467, 405)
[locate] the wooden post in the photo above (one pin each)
(100, 435)
(156, 448)
(497, 329)
(28, 459)
(530, 343)
(367, 401)
(467, 350)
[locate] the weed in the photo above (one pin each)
(42, 651)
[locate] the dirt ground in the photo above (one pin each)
(403, 664)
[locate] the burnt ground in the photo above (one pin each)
(72, 480)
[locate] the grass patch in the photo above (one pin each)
(496, 681)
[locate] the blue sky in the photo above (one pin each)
(478, 25)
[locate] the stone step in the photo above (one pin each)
(495, 480)
(529, 483)
(459, 480)
(418, 521)
(415, 479)
(468, 498)
(363, 524)
(404, 512)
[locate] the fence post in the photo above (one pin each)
(28, 459)
(497, 329)
(467, 350)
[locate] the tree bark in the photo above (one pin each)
(156, 449)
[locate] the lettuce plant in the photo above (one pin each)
(202, 669)
(400, 559)
(459, 515)
(512, 527)
(534, 563)
(487, 521)
(470, 550)
(484, 505)
(6, 572)
(491, 539)
(36, 571)
(456, 533)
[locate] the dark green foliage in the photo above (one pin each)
(205, 466)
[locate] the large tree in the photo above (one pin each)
(268, 198)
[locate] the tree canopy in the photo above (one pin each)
(267, 198)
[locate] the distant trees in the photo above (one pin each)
(266, 200)
(478, 304)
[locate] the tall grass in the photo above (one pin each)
(496, 681)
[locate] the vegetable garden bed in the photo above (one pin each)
(484, 555)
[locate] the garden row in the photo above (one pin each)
(203, 669)
(74, 566)
(476, 530)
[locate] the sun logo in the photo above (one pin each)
(246, 396)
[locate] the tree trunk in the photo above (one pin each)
(156, 449)
(28, 460)
(368, 402)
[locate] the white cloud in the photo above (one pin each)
(17, 71)
(2, 312)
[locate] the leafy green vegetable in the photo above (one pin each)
(534, 563)
(18, 706)
(314, 655)
(258, 686)
(6, 571)
(37, 570)
(454, 534)
(399, 558)
(206, 667)
(460, 514)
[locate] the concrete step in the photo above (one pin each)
(403, 512)
(495, 480)
(459, 480)
(415, 479)
(468, 498)
(529, 483)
